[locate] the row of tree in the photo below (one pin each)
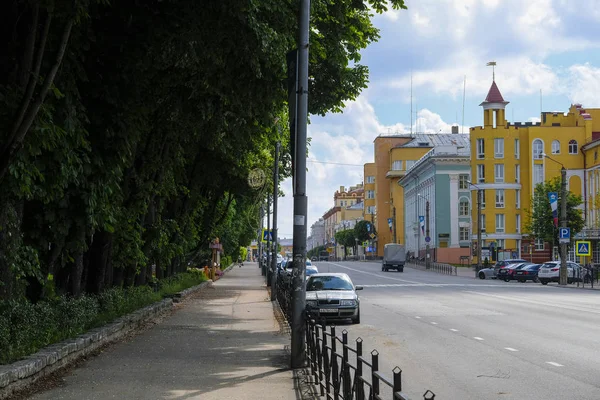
(128, 129)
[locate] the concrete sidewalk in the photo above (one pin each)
(222, 343)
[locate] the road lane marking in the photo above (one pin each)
(417, 317)
(510, 349)
(454, 330)
(371, 273)
(581, 308)
(466, 285)
(434, 323)
(554, 364)
(477, 338)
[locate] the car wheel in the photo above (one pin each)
(522, 280)
(382, 268)
(481, 275)
(543, 281)
(401, 270)
(356, 320)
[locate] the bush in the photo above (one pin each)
(226, 262)
(26, 328)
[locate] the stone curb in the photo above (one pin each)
(23, 373)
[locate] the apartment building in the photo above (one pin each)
(507, 163)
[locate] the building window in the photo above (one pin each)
(480, 173)
(370, 209)
(499, 223)
(538, 174)
(517, 199)
(517, 149)
(480, 149)
(463, 233)
(463, 181)
(463, 208)
(499, 173)
(517, 173)
(397, 166)
(499, 198)
(483, 199)
(539, 244)
(482, 222)
(555, 147)
(538, 149)
(572, 146)
(518, 223)
(370, 194)
(498, 148)
(370, 179)
(410, 163)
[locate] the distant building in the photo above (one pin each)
(317, 235)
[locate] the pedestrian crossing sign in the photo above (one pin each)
(583, 248)
(267, 235)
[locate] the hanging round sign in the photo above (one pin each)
(256, 178)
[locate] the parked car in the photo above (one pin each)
(492, 272)
(529, 273)
(508, 273)
(332, 296)
(550, 272)
(311, 270)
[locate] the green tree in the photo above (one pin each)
(346, 238)
(363, 230)
(540, 222)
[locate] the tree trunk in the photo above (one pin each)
(77, 269)
(99, 259)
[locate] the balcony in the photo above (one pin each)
(395, 173)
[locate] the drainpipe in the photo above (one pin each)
(585, 205)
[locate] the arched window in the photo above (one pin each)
(463, 207)
(573, 146)
(538, 149)
(555, 147)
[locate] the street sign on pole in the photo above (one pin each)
(564, 235)
(427, 239)
(583, 248)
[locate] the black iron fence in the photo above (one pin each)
(337, 374)
(441, 268)
(341, 376)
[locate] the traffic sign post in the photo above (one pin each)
(583, 248)
(427, 239)
(564, 235)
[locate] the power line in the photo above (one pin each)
(334, 163)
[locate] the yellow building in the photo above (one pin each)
(507, 163)
(344, 210)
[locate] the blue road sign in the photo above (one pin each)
(583, 248)
(564, 233)
(427, 239)
(267, 235)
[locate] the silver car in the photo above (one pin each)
(492, 273)
(332, 296)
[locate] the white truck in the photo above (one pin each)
(394, 257)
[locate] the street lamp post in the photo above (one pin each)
(478, 250)
(394, 222)
(563, 219)
(427, 237)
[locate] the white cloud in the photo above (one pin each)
(584, 85)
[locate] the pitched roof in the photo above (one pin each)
(494, 95)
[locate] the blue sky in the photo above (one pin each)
(552, 45)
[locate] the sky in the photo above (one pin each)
(547, 55)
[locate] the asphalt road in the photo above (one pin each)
(465, 338)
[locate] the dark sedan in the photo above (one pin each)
(508, 273)
(529, 273)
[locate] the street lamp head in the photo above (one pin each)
(544, 154)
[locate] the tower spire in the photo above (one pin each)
(493, 65)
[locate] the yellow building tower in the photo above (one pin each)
(507, 162)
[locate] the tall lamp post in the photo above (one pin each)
(478, 250)
(427, 237)
(563, 218)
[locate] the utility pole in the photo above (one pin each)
(479, 193)
(298, 358)
(260, 233)
(427, 237)
(275, 236)
(563, 223)
(394, 222)
(266, 260)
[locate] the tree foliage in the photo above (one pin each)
(363, 230)
(128, 129)
(540, 222)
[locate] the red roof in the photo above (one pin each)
(494, 95)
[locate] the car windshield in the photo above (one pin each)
(532, 267)
(328, 282)
(311, 271)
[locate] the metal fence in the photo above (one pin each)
(338, 375)
(441, 268)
